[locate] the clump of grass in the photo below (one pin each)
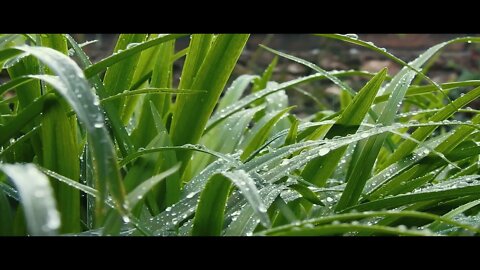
(113, 148)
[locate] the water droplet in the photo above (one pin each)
(414, 122)
(39, 193)
(285, 162)
(190, 195)
(98, 125)
(323, 151)
(131, 45)
(96, 101)
(168, 209)
(353, 36)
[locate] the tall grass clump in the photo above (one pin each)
(120, 147)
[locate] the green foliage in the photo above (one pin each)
(156, 159)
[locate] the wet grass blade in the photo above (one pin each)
(422, 133)
(141, 190)
(209, 215)
(71, 84)
(124, 143)
(192, 113)
(235, 91)
(418, 90)
(406, 199)
(262, 135)
(113, 59)
(152, 91)
(37, 198)
(161, 78)
(119, 76)
(197, 51)
(320, 169)
(26, 116)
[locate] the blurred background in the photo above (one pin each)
(456, 62)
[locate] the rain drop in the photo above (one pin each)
(323, 151)
(98, 125)
(353, 36)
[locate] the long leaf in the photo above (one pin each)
(37, 198)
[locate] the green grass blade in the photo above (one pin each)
(121, 135)
(37, 198)
(455, 212)
(320, 169)
(143, 72)
(247, 187)
(246, 221)
(28, 90)
(339, 229)
(209, 215)
(384, 52)
(161, 77)
(233, 128)
(247, 100)
(325, 73)
(262, 135)
(422, 133)
(141, 190)
(235, 91)
(76, 92)
(152, 91)
(59, 143)
(166, 160)
(115, 58)
(199, 46)
(405, 199)
(75, 184)
(418, 90)
(291, 137)
(367, 153)
(119, 76)
(191, 114)
(8, 130)
(15, 82)
(60, 154)
(261, 83)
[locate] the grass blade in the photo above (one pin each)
(320, 169)
(71, 84)
(113, 59)
(191, 114)
(36, 196)
(209, 215)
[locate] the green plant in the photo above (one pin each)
(114, 148)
